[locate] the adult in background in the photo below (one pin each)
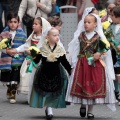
(61, 2)
(29, 7)
(3, 8)
(80, 4)
(14, 5)
(99, 4)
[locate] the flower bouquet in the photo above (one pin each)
(5, 43)
(102, 13)
(104, 46)
(34, 52)
(109, 35)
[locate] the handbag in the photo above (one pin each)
(27, 20)
(55, 11)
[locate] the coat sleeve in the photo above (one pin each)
(65, 63)
(22, 9)
(46, 8)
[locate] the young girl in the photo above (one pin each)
(56, 22)
(89, 84)
(108, 6)
(40, 24)
(10, 66)
(49, 87)
(80, 25)
(115, 27)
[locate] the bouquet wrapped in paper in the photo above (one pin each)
(34, 52)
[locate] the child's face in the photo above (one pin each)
(110, 6)
(53, 36)
(115, 19)
(13, 24)
(118, 2)
(37, 28)
(58, 27)
(89, 23)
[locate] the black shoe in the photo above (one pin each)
(50, 116)
(117, 95)
(82, 111)
(90, 116)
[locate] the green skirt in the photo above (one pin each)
(38, 100)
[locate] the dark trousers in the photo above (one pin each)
(3, 8)
(11, 75)
(29, 31)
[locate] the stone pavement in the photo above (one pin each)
(22, 111)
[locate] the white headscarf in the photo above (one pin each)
(45, 25)
(80, 28)
(74, 45)
(43, 37)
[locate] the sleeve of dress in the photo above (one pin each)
(37, 59)
(65, 63)
(21, 48)
(46, 7)
(22, 9)
(76, 50)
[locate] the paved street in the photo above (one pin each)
(22, 111)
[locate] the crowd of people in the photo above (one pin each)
(34, 61)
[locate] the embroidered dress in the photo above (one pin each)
(50, 82)
(89, 84)
(89, 80)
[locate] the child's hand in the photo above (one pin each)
(28, 52)
(72, 70)
(97, 56)
(28, 62)
(11, 52)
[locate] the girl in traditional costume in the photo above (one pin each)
(50, 82)
(10, 65)
(56, 22)
(40, 24)
(90, 83)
